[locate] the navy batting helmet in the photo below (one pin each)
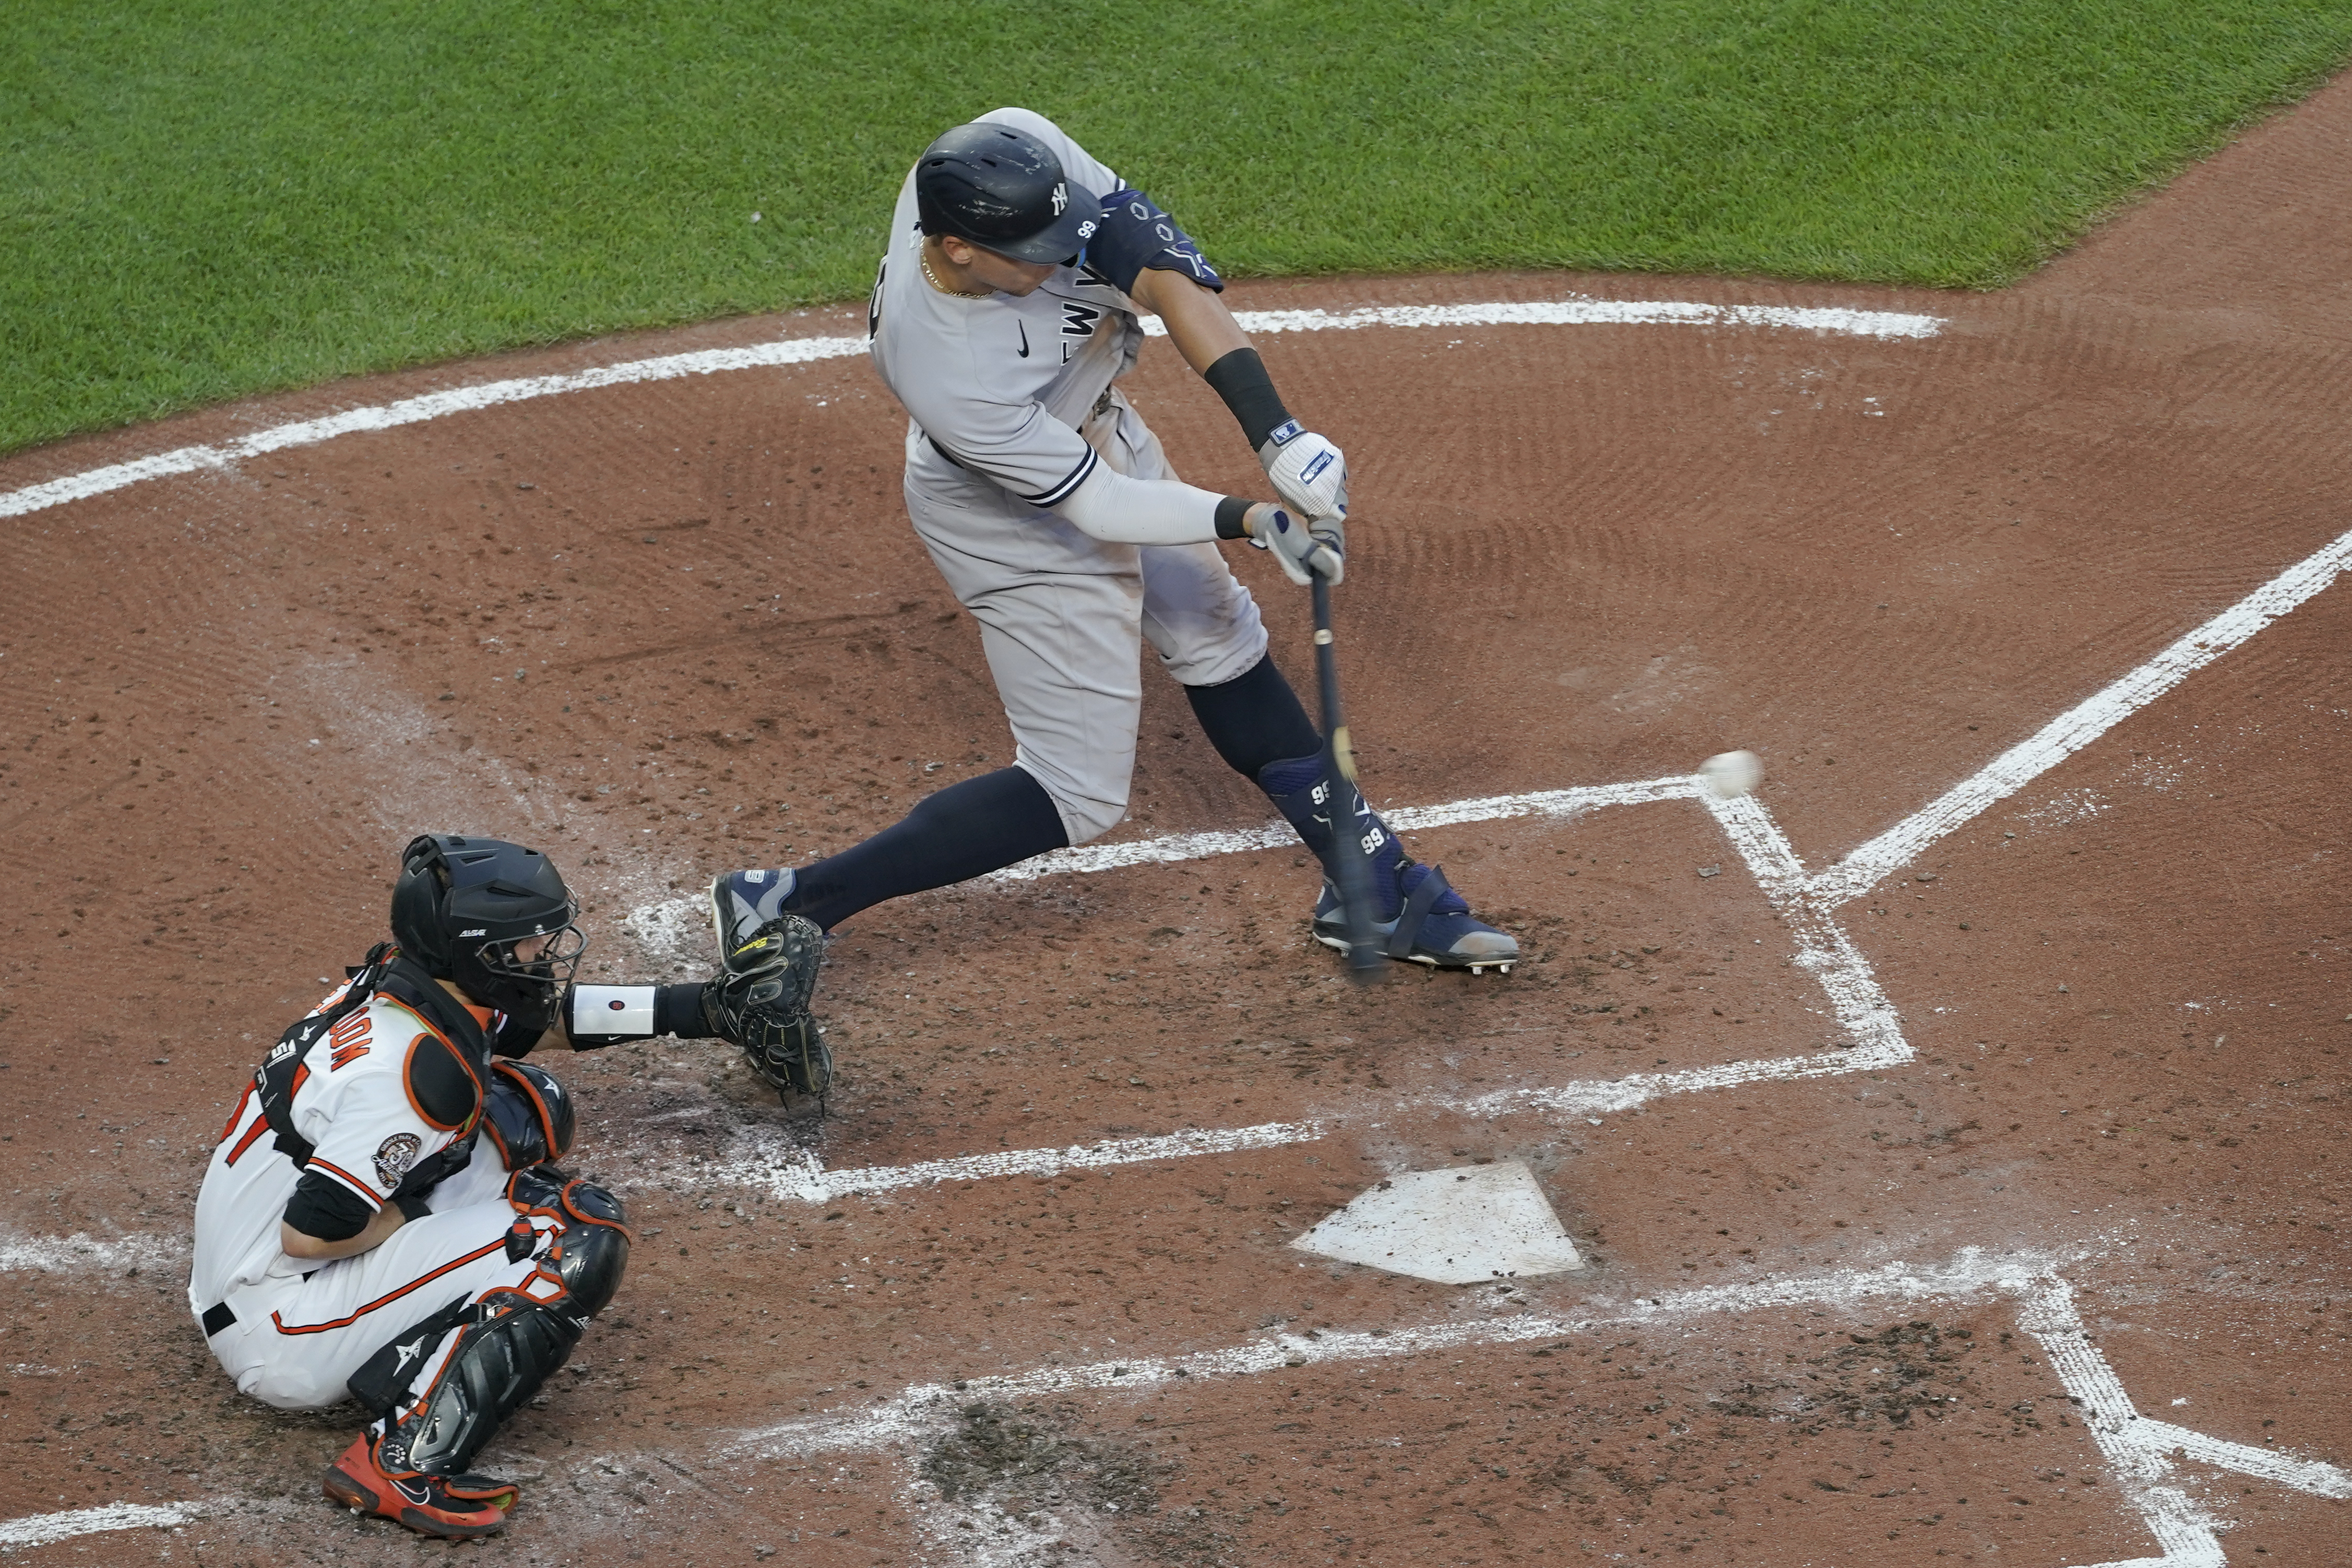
(1005, 191)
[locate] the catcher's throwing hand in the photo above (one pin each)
(759, 1000)
(1307, 471)
(1303, 548)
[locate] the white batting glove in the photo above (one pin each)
(1307, 471)
(1301, 551)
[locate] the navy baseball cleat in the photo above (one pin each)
(1417, 915)
(1425, 922)
(743, 901)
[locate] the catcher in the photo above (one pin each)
(383, 1218)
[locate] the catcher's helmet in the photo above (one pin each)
(463, 905)
(1003, 190)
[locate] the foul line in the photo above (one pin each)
(1575, 310)
(2079, 725)
(2137, 1448)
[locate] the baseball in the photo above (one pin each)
(1731, 774)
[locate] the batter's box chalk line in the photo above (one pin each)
(2139, 1451)
(1803, 899)
(1576, 310)
(768, 1160)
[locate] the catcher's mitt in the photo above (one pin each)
(759, 1000)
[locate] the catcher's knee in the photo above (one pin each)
(592, 1251)
(507, 1344)
(528, 1116)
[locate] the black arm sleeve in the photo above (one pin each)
(677, 1010)
(1240, 379)
(327, 1209)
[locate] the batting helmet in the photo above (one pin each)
(463, 906)
(1003, 190)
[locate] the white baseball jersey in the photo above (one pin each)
(379, 1094)
(368, 1097)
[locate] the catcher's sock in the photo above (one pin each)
(1253, 718)
(966, 830)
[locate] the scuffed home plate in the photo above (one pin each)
(1457, 1227)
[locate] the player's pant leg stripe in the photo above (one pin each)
(283, 1327)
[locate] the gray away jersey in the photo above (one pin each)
(1001, 385)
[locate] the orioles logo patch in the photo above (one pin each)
(393, 1156)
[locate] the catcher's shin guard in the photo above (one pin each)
(768, 965)
(1417, 915)
(507, 1344)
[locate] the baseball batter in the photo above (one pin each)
(1003, 316)
(355, 1237)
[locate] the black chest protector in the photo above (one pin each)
(282, 1072)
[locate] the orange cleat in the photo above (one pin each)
(452, 1506)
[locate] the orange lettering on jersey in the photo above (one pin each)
(348, 1039)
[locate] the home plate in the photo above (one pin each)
(1457, 1227)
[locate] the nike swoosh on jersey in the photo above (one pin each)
(1024, 339)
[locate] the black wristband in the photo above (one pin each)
(1231, 511)
(677, 1010)
(1240, 380)
(412, 1207)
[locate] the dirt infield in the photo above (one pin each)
(2042, 1262)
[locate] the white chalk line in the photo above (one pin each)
(83, 1253)
(1088, 858)
(2081, 724)
(2139, 1447)
(1575, 310)
(2136, 1448)
(41, 1529)
(764, 1160)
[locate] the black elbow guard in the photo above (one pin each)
(528, 1116)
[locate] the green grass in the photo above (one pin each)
(202, 200)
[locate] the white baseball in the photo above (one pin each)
(1732, 773)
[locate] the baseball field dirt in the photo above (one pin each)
(1985, 1205)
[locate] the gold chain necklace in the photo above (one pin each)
(923, 257)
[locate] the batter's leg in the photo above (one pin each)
(1059, 622)
(1208, 634)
